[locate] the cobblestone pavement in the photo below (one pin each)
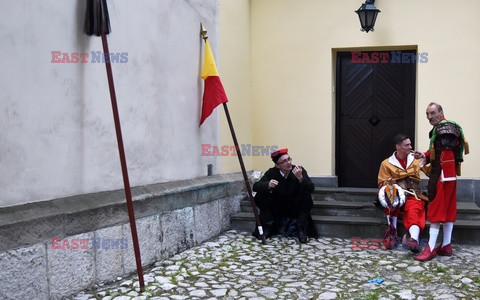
(237, 266)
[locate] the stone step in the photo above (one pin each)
(465, 210)
(464, 232)
(357, 194)
(349, 213)
(344, 194)
(468, 211)
(336, 208)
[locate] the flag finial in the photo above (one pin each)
(203, 32)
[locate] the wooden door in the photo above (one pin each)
(375, 101)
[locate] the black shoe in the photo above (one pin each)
(413, 246)
(302, 237)
(410, 244)
(268, 233)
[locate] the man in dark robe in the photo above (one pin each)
(284, 197)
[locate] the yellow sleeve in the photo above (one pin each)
(426, 169)
(383, 173)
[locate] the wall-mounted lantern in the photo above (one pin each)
(368, 15)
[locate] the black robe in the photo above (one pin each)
(290, 199)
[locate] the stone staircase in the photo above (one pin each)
(350, 213)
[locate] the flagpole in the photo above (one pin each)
(244, 172)
(97, 22)
(123, 162)
(203, 32)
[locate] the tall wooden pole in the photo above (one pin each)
(97, 22)
(123, 162)
(203, 32)
(244, 172)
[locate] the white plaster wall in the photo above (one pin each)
(57, 133)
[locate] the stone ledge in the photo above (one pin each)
(56, 270)
(325, 181)
(31, 223)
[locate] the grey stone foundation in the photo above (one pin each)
(170, 217)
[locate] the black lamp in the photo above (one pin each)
(368, 15)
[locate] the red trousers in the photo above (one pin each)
(443, 208)
(414, 213)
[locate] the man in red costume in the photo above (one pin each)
(445, 154)
(403, 169)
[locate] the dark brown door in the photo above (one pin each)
(375, 101)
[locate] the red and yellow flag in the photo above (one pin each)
(213, 92)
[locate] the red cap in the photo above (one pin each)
(277, 154)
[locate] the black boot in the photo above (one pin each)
(302, 237)
(301, 234)
(302, 224)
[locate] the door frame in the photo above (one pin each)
(336, 81)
